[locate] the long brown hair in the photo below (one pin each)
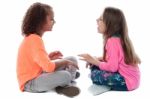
(115, 22)
(35, 18)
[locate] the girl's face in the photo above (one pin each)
(49, 23)
(101, 25)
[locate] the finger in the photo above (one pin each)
(52, 54)
(76, 66)
(87, 64)
(59, 57)
(81, 58)
(81, 55)
(59, 53)
(73, 64)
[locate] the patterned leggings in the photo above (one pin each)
(113, 80)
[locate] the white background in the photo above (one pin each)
(75, 32)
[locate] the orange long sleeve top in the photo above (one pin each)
(32, 60)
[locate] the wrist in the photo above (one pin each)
(97, 63)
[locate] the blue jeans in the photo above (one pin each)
(113, 80)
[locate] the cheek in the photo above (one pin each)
(48, 26)
(101, 27)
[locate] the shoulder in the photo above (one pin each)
(33, 40)
(34, 37)
(113, 41)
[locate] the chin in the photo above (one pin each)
(98, 31)
(50, 30)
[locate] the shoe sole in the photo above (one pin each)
(69, 91)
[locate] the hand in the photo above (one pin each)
(55, 55)
(88, 58)
(66, 63)
(70, 63)
(88, 65)
(100, 58)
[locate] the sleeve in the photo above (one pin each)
(40, 56)
(112, 56)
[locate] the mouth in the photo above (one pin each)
(97, 28)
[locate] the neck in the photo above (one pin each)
(116, 35)
(41, 33)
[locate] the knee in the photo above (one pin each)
(72, 58)
(66, 77)
(95, 75)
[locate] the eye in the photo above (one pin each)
(53, 20)
(100, 19)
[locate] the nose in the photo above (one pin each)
(97, 20)
(54, 21)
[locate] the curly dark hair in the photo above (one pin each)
(35, 18)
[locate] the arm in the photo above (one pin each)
(40, 56)
(65, 63)
(89, 59)
(112, 56)
(55, 55)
